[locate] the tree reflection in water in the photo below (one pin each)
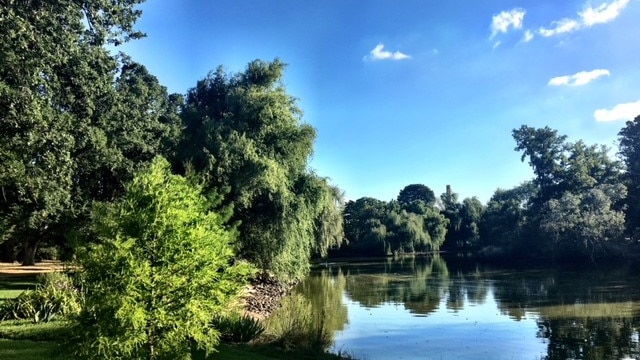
(580, 314)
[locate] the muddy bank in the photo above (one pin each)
(263, 296)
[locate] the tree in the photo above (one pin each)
(416, 192)
(629, 148)
(53, 73)
(363, 226)
(545, 150)
(560, 166)
(375, 227)
(243, 133)
(162, 267)
(464, 219)
(505, 217)
(471, 214)
(582, 224)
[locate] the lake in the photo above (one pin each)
(430, 308)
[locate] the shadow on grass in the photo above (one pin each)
(29, 350)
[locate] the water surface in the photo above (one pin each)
(429, 309)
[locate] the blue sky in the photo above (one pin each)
(410, 91)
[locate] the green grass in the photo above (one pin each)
(29, 350)
(9, 294)
(26, 330)
(11, 287)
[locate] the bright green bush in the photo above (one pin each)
(162, 267)
(55, 295)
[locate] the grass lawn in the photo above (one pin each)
(12, 286)
(28, 350)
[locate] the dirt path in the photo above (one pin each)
(15, 269)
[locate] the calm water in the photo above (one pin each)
(431, 309)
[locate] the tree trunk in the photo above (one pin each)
(30, 249)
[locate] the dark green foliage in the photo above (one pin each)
(629, 148)
(374, 227)
(464, 220)
(162, 266)
(237, 328)
(243, 134)
(505, 217)
(545, 150)
(416, 192)
(583, 223)
(68, 134)
(560, 166)
(54, 296)
(570, 210)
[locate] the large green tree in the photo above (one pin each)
(77, 122)
(545, 150)
(560, 166)
(162, 267)
(53, 73)
(505, 216)
(584, 223)
(244, 134)
(567, 175)
(416, 192)
(629, 138)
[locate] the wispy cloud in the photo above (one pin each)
(378, 53)
(560, 27)
(580, 78)
(625, 111)
(590, 16)
(528, 36)
(501, 22)
(603, 13)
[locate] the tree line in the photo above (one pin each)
(582, 204)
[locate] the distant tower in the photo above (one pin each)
(448, 191)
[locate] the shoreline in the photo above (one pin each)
(263, 295)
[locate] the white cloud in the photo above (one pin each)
(528, 36)
(560, 27)
(590, 16)
(580, 78)
(603, 13)
(625, 111)
(501, 22)
(378, 53)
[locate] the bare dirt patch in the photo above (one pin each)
(15, 269)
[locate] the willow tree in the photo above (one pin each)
(244, 134)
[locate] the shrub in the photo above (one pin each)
(237, 327)
(162, 265)
(55, 295)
